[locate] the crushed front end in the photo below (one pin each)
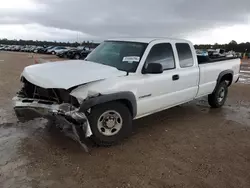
(56, 105)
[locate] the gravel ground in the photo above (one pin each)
(187, 146)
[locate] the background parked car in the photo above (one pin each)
(85, 52)
(55, 49)
(2, 47)
(63, 50)
(12, 48)
(64, 53)
(216, 53)
(17, 48)
(6, 47)
(22, 48)
(37, 48)
(75, 53)
(44, 49)
(79, 53)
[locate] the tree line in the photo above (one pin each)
(233, 45)
(47, 43)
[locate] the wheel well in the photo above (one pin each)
(126, 98)
(125, 102)
(128, 104)
(227, 77)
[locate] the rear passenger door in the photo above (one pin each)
(186, 87)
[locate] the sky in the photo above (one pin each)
(201, 21)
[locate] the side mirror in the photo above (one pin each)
(153, 68)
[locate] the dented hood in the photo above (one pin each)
(67, 74)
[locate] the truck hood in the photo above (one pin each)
(67, 74)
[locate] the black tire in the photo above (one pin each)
(126, 129)
(215, 99)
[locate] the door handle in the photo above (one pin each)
(175, 77)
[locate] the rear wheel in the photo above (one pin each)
(110, 123)
(219, 96)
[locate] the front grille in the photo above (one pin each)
(59, 96)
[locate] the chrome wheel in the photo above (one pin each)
(109, 123)
(221, 94)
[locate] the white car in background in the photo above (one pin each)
(216, 53)
(56, 49)
(63, 50)
(201, 52)
(2, 47)
(231, 54)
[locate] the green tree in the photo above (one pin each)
(233, 42)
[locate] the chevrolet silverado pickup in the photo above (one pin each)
(121, 80)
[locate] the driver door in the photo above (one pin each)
(158, 91)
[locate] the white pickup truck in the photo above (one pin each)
(122, 80)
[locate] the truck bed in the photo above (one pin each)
(206, 59)
(210, 70)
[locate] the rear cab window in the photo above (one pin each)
(161, 53)
(185, 55)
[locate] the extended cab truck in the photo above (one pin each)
(122, 80)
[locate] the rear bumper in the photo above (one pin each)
(27, 109)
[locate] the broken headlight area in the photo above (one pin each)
(59, 96)
(56, 105)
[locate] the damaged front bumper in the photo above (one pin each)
(67, 116)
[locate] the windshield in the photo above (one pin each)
(122, 55)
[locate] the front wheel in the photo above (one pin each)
(110, 123)
(219, 96)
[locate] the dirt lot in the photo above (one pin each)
(187, 146)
